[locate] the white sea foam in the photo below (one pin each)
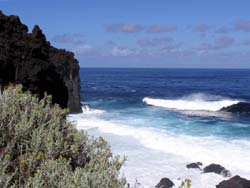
(86, 109)
(161, 153)
(193, 102)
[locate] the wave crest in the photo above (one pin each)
(195, 102)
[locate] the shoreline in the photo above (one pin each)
(148, 165)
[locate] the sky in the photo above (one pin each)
(143, 33)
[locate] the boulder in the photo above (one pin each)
(194, 165)
(235, 182)
(218, 169)
(165, 183)
(29, 59)
(240, 108)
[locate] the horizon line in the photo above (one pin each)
(165, 68)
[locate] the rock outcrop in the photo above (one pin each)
(240, 108)
(234, 182)
(165, 183)
(218, 169)
(194, 165)
(30, 60)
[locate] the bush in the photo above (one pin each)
(187, 183)
(40, 148)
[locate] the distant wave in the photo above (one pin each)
(195, 102)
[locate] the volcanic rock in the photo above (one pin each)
(29, 59)
(194, 165)
(235, 182)
(218, 169)
(240, 108)
(165, 183)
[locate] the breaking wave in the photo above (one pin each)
(86, 109)
(195, 102)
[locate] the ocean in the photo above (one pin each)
(163, 119)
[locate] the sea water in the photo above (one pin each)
(163, 119)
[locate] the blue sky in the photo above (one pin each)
(144, 33)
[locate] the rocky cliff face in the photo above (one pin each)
(30, 60)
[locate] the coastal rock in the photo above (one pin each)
(218, 169)
(165, 183)
(30, 60)
(241, 108)
(194, 165)
(235, 182)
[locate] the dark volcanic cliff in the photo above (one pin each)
(30, 60)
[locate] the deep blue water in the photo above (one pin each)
(134, 84)
(120, 92)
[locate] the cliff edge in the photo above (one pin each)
(30, 60)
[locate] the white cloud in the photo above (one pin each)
(123, 51)
(161, 28)
(124, 28)
(76, 38)
(85, 49)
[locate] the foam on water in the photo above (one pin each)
(155, 153)
(86, 109)
(192, 102)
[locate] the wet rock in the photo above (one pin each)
(30, 60)
(165, 183)
(240, 108)
(194, 165)
(199, 163)
(218, 169)
(235, 182)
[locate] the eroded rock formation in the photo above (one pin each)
(30, 60)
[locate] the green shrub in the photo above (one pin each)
(40, 148)
(187, 183)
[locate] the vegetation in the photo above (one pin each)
(40, 148)
(186, 183)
